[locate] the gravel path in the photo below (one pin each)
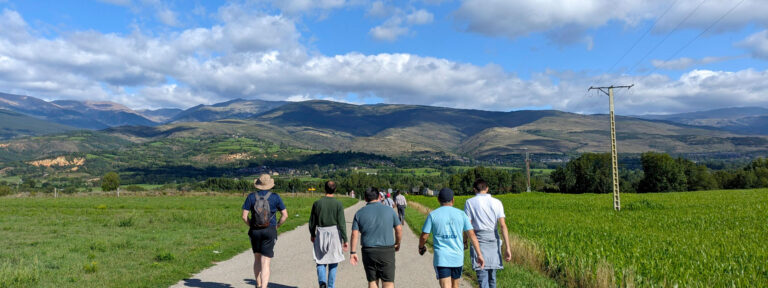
(293, 265)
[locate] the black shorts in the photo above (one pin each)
(445, 272)
(263, 240)
(379, 263)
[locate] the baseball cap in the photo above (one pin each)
(445, 195)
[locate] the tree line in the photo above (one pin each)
(591, 173)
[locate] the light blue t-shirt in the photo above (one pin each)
(447, 226)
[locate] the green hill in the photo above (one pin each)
(14, 125)
(402, 129)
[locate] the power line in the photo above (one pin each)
(666, 36)
(656, 21)
(700, 34)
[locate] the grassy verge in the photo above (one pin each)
(123, 242)
(690, 239)
(510, 276)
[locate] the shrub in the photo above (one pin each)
(5, 190)
(135, 188)
(91, 268)
(127, 222)
(110, 182)
(164, 256)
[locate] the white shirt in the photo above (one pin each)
(400, 200)
(484, 211)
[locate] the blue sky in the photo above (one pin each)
(480, 54)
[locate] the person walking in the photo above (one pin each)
(262, 207)
(373, 225)
(447, 225)
(487, 217)
(328, 230)
(401, 204)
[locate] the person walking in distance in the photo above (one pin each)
(401, 204)
(447, 225)
(328, 230)
(262, 207)
(373, 226)
(487, 217)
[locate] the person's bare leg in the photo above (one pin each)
(445, 282)
(372, 284)
(257, 268)
(265, 271)
(455, 283)
(388, 285)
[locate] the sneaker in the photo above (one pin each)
(322, 285)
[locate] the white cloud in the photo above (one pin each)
(756, 44)
(255, 55)
(379, 9)
(399, 24)
(388, 33)
(167, 17)
(514, 19)
(685, 63)
(419, 17)
(308, 6)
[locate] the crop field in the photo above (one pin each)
(122, 242)
(510, 276)
(693, 239)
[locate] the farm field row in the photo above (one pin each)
(123, 242)
(510, 276)
(692, 239)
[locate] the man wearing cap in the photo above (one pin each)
(487, 216)
(263, 238)
(373, 225)
(447, 226)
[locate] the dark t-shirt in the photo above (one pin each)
(275, 204)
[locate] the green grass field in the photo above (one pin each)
(123, 242)
(510, 276)
(694, 239)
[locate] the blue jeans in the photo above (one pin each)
(486, 278)
(331, 274)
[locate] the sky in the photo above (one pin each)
(500, 55)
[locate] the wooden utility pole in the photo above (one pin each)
(614, 154)
(528, 171)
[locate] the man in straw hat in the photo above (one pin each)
(262, 206)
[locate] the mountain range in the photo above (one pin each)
(399, 129)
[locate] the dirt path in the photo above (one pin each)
(293, 265)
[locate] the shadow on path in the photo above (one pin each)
(201, 284)
(271, 285)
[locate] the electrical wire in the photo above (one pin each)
(642, 37)
(699, 35)
(666, 36)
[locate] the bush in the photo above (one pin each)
(91, 268)
(127, 222)
(164, 256)
(135, 188)
(5, 190)
(110, 182)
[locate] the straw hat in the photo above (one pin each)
(264, 182)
